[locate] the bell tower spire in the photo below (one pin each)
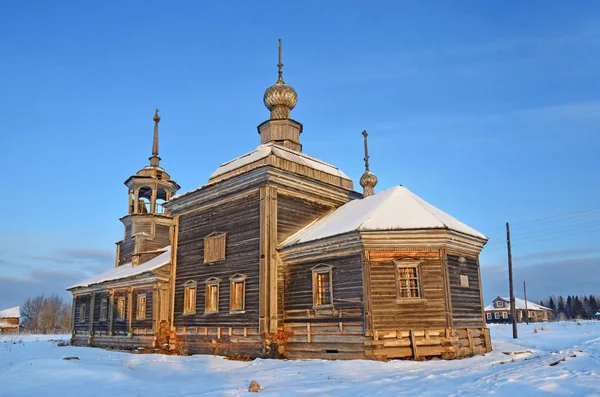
(155, 160)
(368, 180)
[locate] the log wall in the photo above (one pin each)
(239, 219)
(467, 311)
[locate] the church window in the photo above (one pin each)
(464, 280)
(103, 309)
(82, 311)
(322, 286)
(408, 283)
(214, 247)
(211, 304)
(237, 293)
(121, 308)
(140, 313)
(189, 297)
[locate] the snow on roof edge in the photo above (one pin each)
(11, 312)
(126, 270)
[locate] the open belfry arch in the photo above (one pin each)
(278, 256)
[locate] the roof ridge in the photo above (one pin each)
(421, 202)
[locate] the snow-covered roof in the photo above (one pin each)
(11, 313)
(395, 208)
(127, 270)
(291, 155)
(519, 305)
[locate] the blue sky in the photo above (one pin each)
(490, 111)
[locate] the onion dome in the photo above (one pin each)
(368, 181)
(280, 98)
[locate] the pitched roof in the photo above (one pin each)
(395, 208)
(127, 270)
(11, 313)
(519, 305)
(291, 155)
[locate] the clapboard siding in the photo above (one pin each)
(387, 312)
(239, 219)
(466, 301)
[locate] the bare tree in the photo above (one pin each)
(46, 314)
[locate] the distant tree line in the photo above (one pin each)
(46, 315)
(573, 307)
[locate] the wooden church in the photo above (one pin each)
(277, 256)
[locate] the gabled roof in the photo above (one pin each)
(11, 313)
(519, 305)
(127, 270)
(291, 155)
(395, 208)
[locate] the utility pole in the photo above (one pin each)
(513, 311)
(526, 311)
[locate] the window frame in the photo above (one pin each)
(121, 314)
(320, 269)
(497, 315)
(209, 284)
(237, 279)
(504, 315)
(499, 304)
(189, 296)
(213, 237)
(103, 315)
(138, 312)
(488, 316)
(82, 312)
(411, 264)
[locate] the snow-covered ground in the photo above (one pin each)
(33, 366)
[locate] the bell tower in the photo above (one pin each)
(147, 223)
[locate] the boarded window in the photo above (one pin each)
(190, 289)
(140, 313)
(488, 316)
(464, 280)
(214, 247)
(82, 311)
(322, 286)
(211, 303)
(408, 284)
(103, 309)
(237, 293)
(121, 308)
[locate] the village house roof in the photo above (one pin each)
(519, 305)
(395, 208)
(127, 270)
(13, 312)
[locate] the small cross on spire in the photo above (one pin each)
(366, 134)
(368, 180)
(155, 160)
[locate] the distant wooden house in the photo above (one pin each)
(499, 311)
(597, 315)
(10, 320)
(278, 256)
